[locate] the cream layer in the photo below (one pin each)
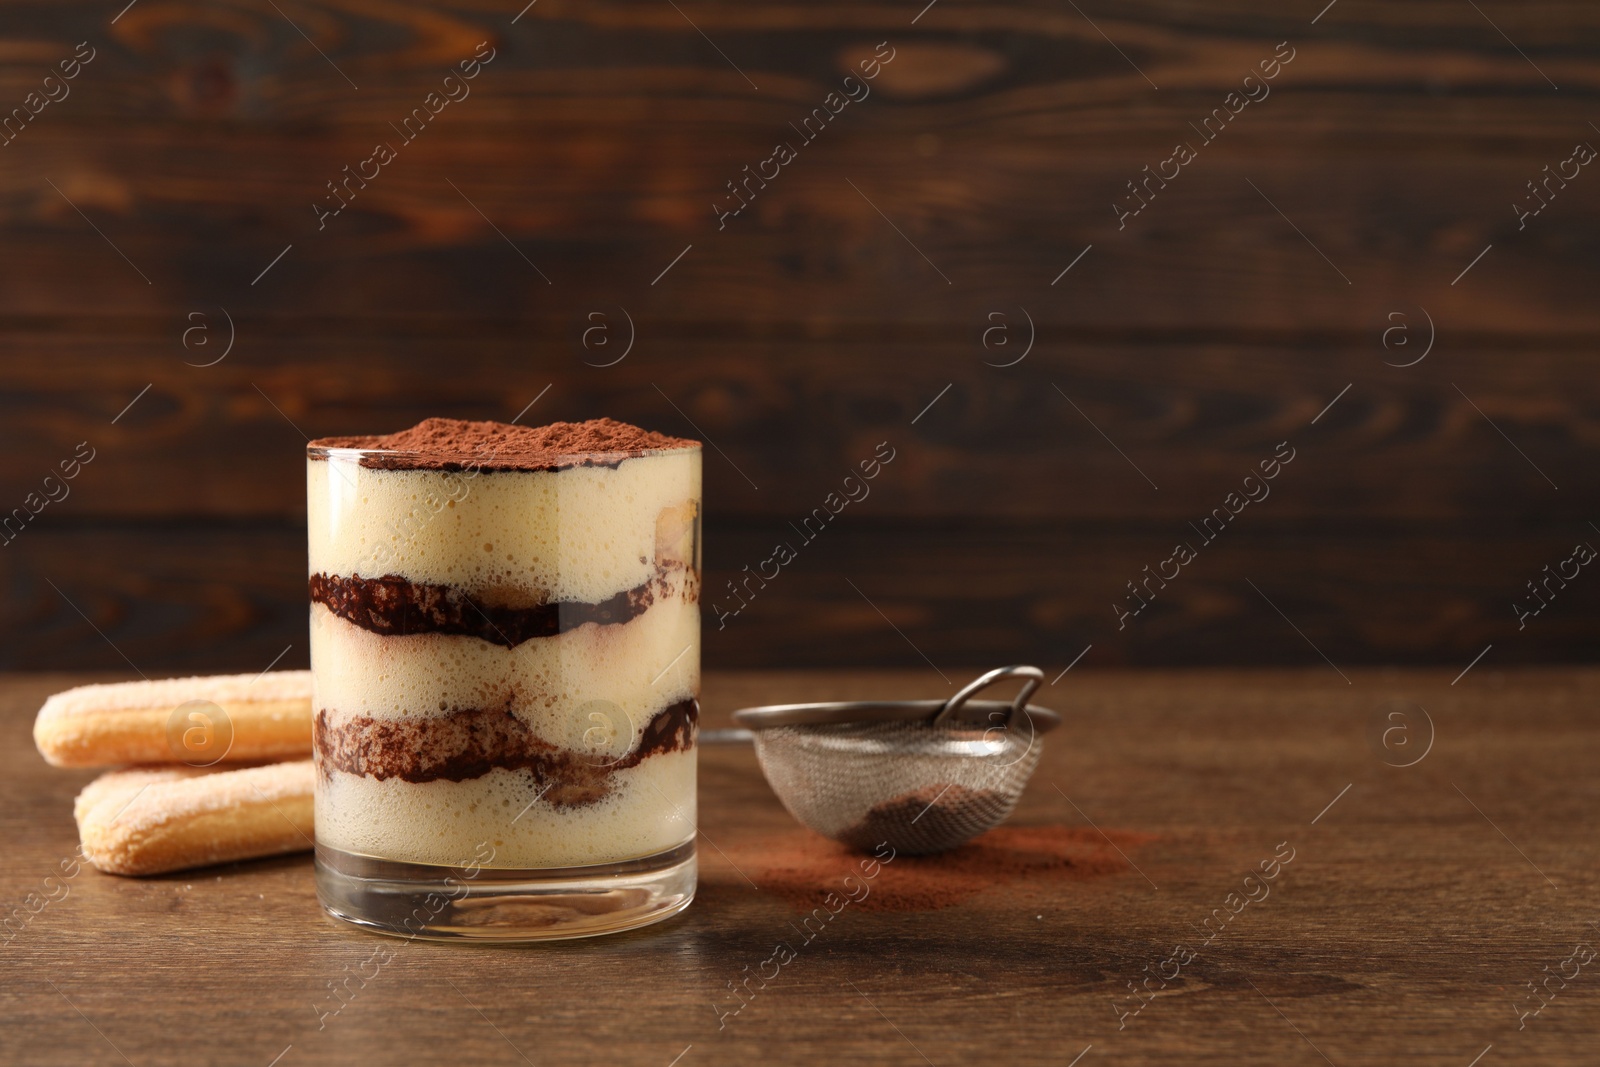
(579, 535)
(590, 690)
(650, 809)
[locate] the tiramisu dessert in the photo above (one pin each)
(505, 649)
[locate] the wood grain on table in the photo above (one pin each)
(1417, 905)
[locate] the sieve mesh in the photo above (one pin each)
(921, 787)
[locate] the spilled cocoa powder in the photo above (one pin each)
(1031, 863)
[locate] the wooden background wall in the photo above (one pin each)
(852, 294)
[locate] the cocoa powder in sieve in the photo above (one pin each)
(927, 819)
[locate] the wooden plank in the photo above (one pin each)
(385, 50)
(795, 415)
(209, 597)
(1216, 768)
(1000, 220)
(999, 151)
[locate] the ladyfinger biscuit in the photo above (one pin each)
(150, 820)
(200, 721)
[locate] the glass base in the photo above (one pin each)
(419, 900)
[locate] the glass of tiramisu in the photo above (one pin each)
(505, 646)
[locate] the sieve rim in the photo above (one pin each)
(845, 712)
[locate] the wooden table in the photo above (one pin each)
(1418, 905)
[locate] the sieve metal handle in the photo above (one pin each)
(1033, 676)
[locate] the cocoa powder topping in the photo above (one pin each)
(458, 444)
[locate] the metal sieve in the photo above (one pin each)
(922, 775)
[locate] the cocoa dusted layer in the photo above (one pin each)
(395, 606)
(469, 743)
(461, 445)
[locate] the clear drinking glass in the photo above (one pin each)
(506, 669)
